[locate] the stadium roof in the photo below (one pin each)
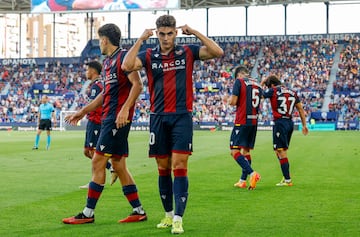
(23, 6)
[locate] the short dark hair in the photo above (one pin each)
(111, 31)
(272, 80)
(166, 21)
(241, 69)
(95, 65)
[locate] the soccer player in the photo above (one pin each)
(93, 125)
(246, 96)
(46, 113)
(118, 99)
(169, 69)
(283, 101)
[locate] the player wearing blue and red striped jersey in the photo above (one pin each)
(246, 95)
(169, 69)
(120, 92)
(283, 102)
(93, 125)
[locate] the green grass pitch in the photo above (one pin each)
(39, 188)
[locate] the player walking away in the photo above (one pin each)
(283, 101)
(46, 113)
(118, 99)
(93, 125)
(169, 69)
(246, 95)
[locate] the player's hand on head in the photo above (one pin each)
(147, 34)
(186, 30)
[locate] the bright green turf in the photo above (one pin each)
(39, 188)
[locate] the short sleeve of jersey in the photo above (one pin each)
(96, 89)
(268, 93)
(142, 57)
(236, 88)
(195, 49)
(297, 100)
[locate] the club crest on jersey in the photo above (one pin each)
(179, 52)
(93, 92)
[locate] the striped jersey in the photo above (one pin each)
(96, 88)
(116, 86)
(249, 93)
(170, 78)
(283, 101)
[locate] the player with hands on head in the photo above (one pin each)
(120, 92)
(283, 102)
(169, 69)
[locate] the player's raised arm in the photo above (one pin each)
(210, 48)
(131, 61)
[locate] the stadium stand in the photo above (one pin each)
(312, 68)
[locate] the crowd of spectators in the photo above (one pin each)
(19, 103)
(346, 87)
(301, 65)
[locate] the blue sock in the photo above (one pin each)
(37, 139)
(181, 186)
(48, 141)
(131, 193)
(285, 167)
(242, 161)
(166, 189)
(94, 193)
(108, 165)
(244, 173)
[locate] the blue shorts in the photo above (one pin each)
(113, 142)
(243, 136)
(92, 134)
(282, 132)
(170, 134)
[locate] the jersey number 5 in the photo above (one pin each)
(255, 98)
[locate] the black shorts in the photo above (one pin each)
(243, 136)
(45, 124)
(282, 132)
